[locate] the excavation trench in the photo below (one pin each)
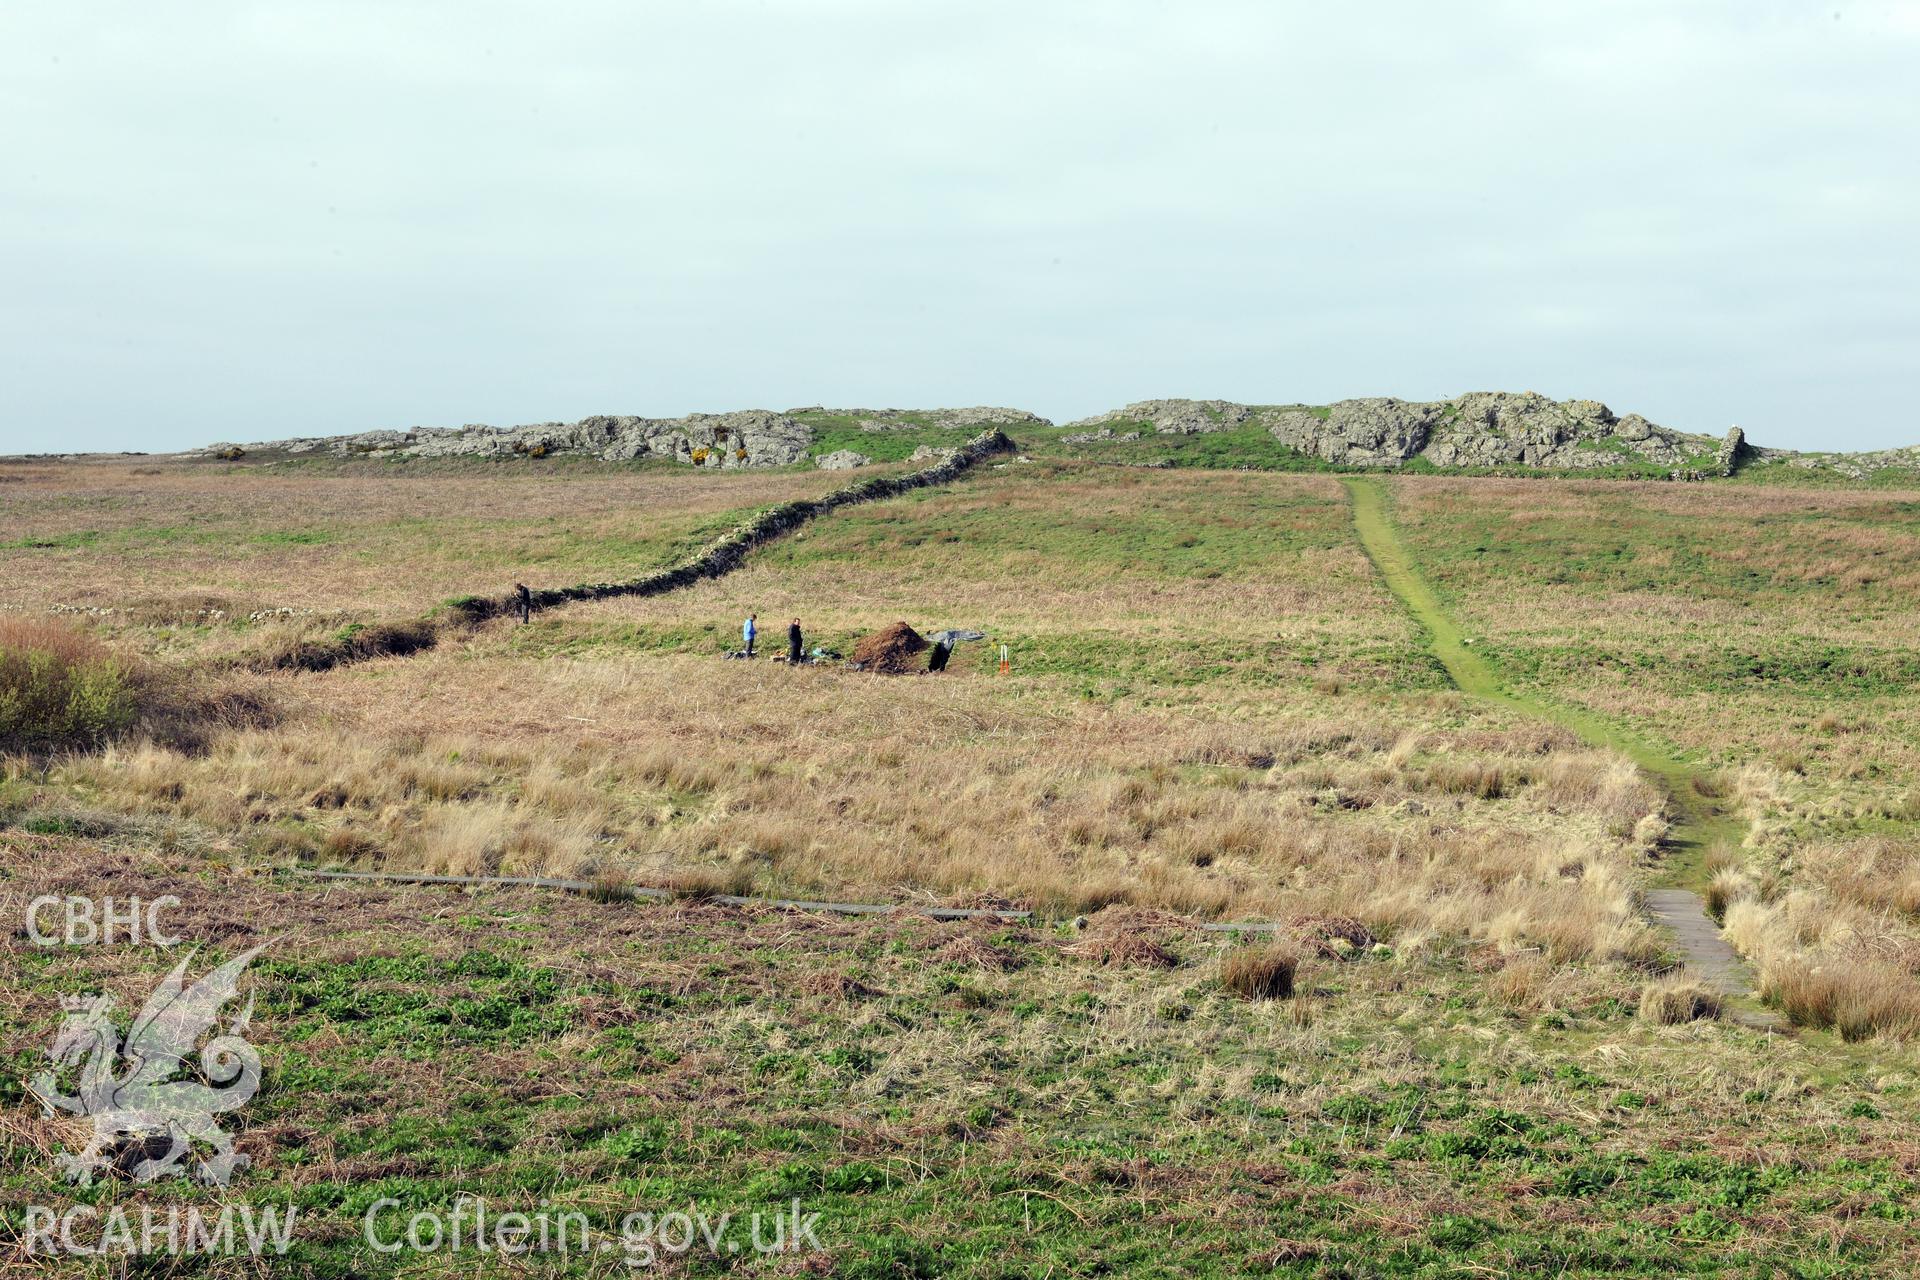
(1699, 822)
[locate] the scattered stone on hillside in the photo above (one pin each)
(890, 651)
(841, 460)
(927, 453)
(1854, 466)
(1102, 436)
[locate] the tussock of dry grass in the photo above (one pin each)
(1859, 999)
(1260, 973)
(1877, 873)
(1522, 985)
(1122, 937)
(1727, 887)
(1673, 1002)
(1484, 779)
(1829, 961)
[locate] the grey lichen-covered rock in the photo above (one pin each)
(1173, 417)
(841, 460)
(1378, 431)
(1732, 451)
(928, 453)
(750, 438)
(1479, 430)
(1504, 429)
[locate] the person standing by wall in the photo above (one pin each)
(793, 641)
(748, 631)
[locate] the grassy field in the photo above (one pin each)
(206, 544)
(1767, 633)
(979, 1100)
(1217, 710)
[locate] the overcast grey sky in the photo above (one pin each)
(243, 221)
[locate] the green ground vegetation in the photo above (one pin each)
(1396, 1118)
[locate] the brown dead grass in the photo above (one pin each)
(818, 783)
(1674, 1001)
(1260, 973)
(1123, 950)
(1859, 999)
(975, 952)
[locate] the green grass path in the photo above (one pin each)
(1699, 822)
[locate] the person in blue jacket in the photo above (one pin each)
(748, 632)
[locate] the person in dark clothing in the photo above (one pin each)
(522, 600)
(793, 641)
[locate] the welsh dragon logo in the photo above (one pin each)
(144, 1119)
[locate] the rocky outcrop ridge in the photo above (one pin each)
(1484, 429)
(1164, 417)
(1854, 466)
(750, 438)
(971, 418)
(1498, 428)
(1375, 432)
